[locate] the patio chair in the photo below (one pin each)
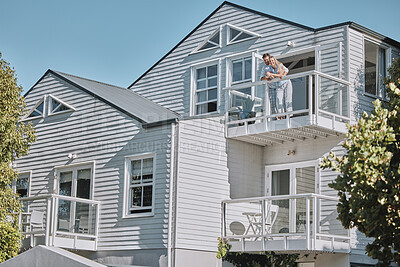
(271, 215)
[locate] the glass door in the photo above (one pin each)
(297, 178)
(73, 182)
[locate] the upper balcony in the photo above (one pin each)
(60, 221)
(321, 107)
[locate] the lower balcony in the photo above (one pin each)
(60, 221)
(284, 224)
(320, 108)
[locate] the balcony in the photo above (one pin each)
(286, 223)
(321, 108)
(60, 221)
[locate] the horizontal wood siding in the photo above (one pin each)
(245, 164)
(202, 183)
(100, 133)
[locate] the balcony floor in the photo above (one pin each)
(280, 131)
(287, 245)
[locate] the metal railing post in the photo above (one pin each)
(308, 240)
(310, 98)
(315, 222)
(96, 229)
(267, 109)
(48, 221)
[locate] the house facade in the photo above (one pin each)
(153, 174)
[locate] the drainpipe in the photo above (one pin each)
(172, 199)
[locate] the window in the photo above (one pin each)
(139, 183)
(206, 89)
(242, 70)
(236, 34)
(57, 106)
(75, 181)
(21, 185)
(375, 68)
(48, 105)
(38, 110)
(213, 41)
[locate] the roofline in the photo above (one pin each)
(49, 71)
(159, 123)
(348, 23)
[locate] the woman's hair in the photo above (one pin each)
(278, 64)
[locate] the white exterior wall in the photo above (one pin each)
(100, 133)
(202, 183)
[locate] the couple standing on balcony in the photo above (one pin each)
(280, 93)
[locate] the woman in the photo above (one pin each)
(280, 92)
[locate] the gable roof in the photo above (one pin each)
(349, 23)
(128, 102)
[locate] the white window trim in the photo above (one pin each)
(228, 34)
(196, 50)
(27, 173)
(51, 113)
(58, 169)
(42, 100)
(388, 63)
(229, 66)
(193, 85)
(127, 167)
(294, 165)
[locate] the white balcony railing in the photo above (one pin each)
(318, 100)
(61, 221)
(303, 222)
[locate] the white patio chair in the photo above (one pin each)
(83, 224)
(36, 221)
(271, 215)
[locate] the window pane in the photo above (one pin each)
(147, 175)
(22, 186)
(233, 33)
(212, 82)
(243, 36)
(147, 195)
(212, 71)
(247, 69)
(136, 197)
(212, 94)
(201, 84)
(201, 73)
(237, 71)
(382, 70)
(65, 183)
(40, 108)
(83, 183)
(370, 67)
(212, 106)
(202, 96)
(136, 171)
(215, 38)
(201, 109)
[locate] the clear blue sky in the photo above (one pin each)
(115, 41)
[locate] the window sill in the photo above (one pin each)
(138, 215)
(375, 97)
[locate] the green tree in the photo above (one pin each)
(15, 140)
(369, 182)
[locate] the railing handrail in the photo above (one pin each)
(75, 199)
(281, 197)
(288, 77)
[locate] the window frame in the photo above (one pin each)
(27, 174)
(127, 185)
(229, 67)
(228, 34)
(194, 91)
(381, 93)
(51, 109)
(197, 49)
(74, 168)
(43, 100)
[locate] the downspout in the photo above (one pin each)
(172, 198)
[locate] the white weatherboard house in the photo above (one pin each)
(152, 175)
